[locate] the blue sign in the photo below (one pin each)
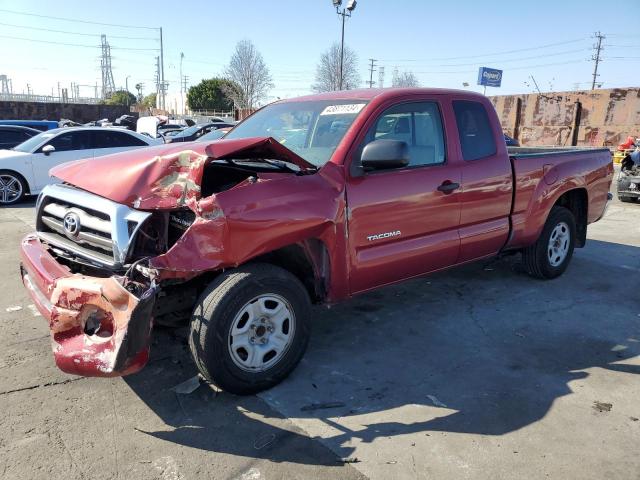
(489, 77)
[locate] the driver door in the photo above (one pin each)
(72, 145)
(401, 224)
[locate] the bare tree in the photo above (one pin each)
(328, 70)
(250, 75)
(404, 79)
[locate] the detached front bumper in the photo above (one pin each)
(98, 328)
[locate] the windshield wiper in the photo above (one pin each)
(281, 164)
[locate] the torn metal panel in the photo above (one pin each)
(230, 230)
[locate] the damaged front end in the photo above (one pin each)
(124, 242)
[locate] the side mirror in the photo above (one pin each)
(384, 154)
(48, 149)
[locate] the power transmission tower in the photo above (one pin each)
(108, 85)
(185, 78)
(596, 58)
(381, 77)
(4, 84)
(372, 68)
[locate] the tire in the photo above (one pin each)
(269, 310)
(13, 187)
(549, 258)
(627, 199)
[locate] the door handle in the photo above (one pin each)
(448, 186)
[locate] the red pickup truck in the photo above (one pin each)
(309, 200)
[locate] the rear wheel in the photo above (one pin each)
(13, 187)
(549, 257)
(250, 328)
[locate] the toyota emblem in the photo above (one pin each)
(71, 224)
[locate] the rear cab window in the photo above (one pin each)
(474, 130)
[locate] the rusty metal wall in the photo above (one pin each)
(587, 117)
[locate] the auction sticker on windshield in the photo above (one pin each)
(342, 109)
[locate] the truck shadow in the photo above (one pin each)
(483, 349)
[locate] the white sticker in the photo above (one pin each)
(342, 109)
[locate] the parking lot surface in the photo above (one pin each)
(477, 372)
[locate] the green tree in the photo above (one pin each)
(211, 95)
(121, 97)
(149, 101)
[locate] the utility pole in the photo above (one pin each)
(158, 85)
(162, 85)
(381, 77)
(181, 90)
(596, 58)
(372, 68)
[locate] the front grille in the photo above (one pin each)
(105, 229)
(94, 233)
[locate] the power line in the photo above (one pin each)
(506, 61)
(525, 67)
(75, 33)
(75, 20)
(75, 44)
(548, 45)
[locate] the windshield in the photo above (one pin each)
(213, 135)
(188, 131)
(29, 145)
(312, 129)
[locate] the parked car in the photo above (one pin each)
(193, 133)
(215, 134)
(42, 125)
(12, 135)
(511, 142)
(629, 178)
(25, 168)
(243, 234)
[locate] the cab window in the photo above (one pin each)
(474, 130)
(417, 124)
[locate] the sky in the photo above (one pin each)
(443, 43)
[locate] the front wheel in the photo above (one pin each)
(13, 187)
(250, 328)
(549, 257)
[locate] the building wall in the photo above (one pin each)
(77, 112)
(592, 117)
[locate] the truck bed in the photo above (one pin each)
(540, 172)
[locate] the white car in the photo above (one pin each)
(25, 168)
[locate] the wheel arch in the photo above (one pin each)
(308, 261)
(576, 201)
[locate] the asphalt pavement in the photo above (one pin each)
(478, 372)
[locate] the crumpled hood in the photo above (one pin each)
(166, 176)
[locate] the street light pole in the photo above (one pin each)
(126, 86)
(341, 52)
(345, 12)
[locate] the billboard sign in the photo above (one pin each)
(489, 77)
